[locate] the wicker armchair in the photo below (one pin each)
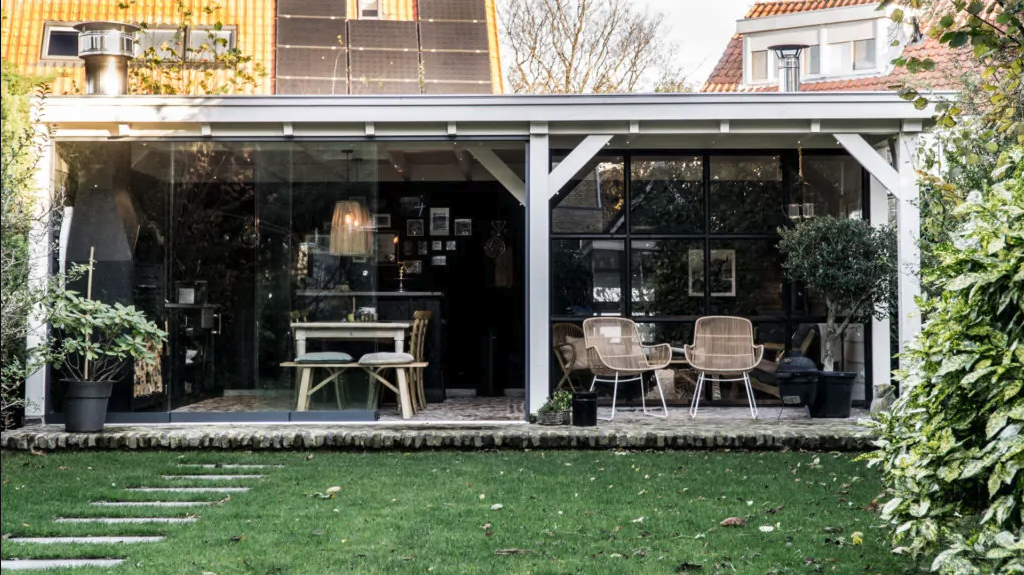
(723, 346)
(570, 349)
(616, 354)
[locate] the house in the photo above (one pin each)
(258, 227)
(306, 46)
(850, 46)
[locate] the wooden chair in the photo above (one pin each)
(417, 346)
(615, 353)
(570, 350)
(723, 345)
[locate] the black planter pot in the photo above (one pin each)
(835, 394)
(85, 405)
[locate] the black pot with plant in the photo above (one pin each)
(852, 266)
(93, 341)
(556, 410)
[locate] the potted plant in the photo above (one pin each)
(852, 266)
(92, 341)
(556, 409)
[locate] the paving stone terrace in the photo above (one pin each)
(714, 428)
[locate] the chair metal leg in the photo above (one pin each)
(643, 396)
(615, 393)
(696, 395)
(664, 406)
(750, 395)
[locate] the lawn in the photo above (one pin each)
(459, 512)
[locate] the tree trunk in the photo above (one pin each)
(827, 354)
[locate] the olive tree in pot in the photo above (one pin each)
(852, 266)
(92, 342)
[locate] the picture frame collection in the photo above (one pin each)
(423, 221)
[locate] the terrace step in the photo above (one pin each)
(116, 520)
(39, 564)
(152, 503)
(89, 539)
(188, 489)
(211, 477)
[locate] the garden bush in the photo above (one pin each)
(952, 449)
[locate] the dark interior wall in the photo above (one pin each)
(478, 306)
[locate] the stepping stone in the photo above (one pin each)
(152, 503)
(229, 466)
(89, 539)
(115, 520)
(37, 564)
(189, 489)
(211, 477)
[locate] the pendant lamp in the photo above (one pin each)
(350, 229)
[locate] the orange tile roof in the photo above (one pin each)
(25, 20)
(727, 75)
(780, 7)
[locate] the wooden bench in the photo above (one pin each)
(400, 387)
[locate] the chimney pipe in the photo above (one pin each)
(789, 66)
(106, 48)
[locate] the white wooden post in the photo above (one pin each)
(538, 242)
(39, 252)
(908, 219)
(881, 350)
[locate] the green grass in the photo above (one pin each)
(569, 512)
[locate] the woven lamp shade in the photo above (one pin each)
(350, 230)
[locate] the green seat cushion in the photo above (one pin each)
(386, 358)
(324, 357)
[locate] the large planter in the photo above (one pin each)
(834, 397)
(85, 405)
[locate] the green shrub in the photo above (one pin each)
(952, 449)
(559, 401)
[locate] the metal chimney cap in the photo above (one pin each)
(783, 50)
(117, 26)
(106, 39)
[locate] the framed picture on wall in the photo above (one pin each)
(438, 261)
(463, 227)
(413, 267)
(450, 245)
(721, 273)
(412, 206)
(414, 228)
(439, 221)
(436, 245)
(422, 248)
(381, 221)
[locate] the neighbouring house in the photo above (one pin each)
(306, 46)
(850, 46)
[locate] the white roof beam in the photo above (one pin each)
(574, 162)
(501, 172)
(872, 161)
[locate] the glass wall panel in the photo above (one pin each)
(675, 334)
(587, 277)
(592, 202)
(667, 277)
(745, 278)
(667, 195)
(834, 184)
(746, 194)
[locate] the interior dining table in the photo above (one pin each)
(350, 330)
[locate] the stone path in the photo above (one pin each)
(30, 564)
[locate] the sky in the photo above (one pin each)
(702, 28)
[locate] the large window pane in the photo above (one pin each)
(746, 194)
(834, 184)
(667, 277)
(586, 277)
(745, 278)
(593, 199)
(667, 195)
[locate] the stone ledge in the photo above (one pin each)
(827, 435)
